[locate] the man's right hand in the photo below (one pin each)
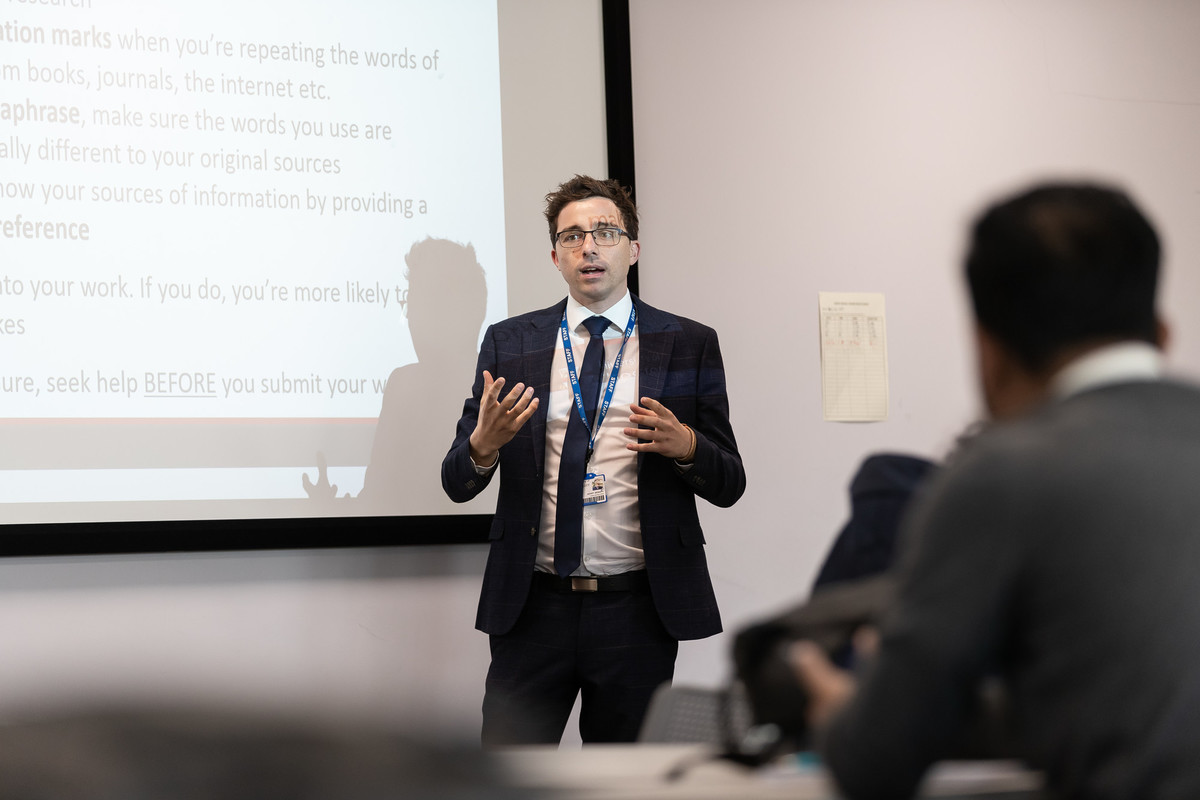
(828, 687)
(499, 420)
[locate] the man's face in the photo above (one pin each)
(596, 275)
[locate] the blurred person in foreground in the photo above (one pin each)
(1059, 547)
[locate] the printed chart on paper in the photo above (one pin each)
(854, 376)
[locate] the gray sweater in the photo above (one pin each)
(1062, 552)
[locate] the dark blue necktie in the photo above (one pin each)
(568, 520)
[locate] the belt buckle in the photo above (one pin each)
(584, 585)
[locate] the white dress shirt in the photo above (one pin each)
(1114, 363)
(612, 538)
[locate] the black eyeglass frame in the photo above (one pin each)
(583, 236)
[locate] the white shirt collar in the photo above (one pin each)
(617, 314)
(1114, 363)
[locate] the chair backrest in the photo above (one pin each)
(692, 714)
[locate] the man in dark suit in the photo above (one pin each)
(1058, 548)
(593, 579)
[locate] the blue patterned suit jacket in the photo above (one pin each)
(681, 367)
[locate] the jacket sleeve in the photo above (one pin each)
(460, 480)
(716, 473)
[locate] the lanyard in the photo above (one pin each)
(608, 390)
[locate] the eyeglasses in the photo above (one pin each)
(603, 237)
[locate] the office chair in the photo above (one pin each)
(696, 715)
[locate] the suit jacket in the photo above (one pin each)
(680, 365)
(879, 495)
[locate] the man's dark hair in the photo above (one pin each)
(581, 187)
(1063, 265)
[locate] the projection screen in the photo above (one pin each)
(249, 250)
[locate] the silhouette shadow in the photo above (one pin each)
(446, 307)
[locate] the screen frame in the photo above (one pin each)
(173, 536)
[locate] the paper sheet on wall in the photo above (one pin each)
(854, 376)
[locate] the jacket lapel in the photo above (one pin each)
(538, 360)
(656, 338)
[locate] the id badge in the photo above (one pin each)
(593, 489)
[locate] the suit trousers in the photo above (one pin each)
(609, 648)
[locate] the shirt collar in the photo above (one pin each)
(1114, 363)
(617, 314)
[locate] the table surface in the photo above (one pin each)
(625, 772)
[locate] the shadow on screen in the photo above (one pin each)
(445, 309)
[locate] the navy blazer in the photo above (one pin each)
(680, 366)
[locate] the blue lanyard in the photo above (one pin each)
(609, 390)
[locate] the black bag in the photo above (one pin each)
(829, 619)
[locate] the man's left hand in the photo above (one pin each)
(663, 432)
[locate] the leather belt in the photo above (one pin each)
(625, 582)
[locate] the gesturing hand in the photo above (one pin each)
(664, 433)
(499, 420)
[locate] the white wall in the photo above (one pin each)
(823, 145)
(787, 148)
